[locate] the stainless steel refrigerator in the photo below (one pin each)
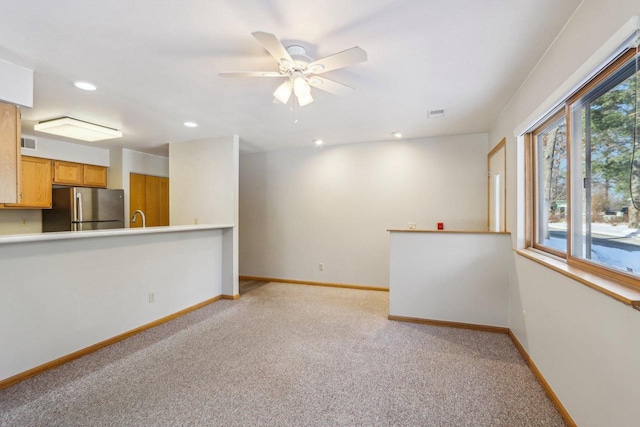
(81, 208)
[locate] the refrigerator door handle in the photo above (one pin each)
(79, 206)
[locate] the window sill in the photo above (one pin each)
(612, 288)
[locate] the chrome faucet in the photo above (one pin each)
(144, 220)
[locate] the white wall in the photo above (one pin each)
(16, 84)
(585, 344)
(64, 295)
(204, 189)
(20, 221)
(60, 150)
(455, 277)
(333, 205)
(204, 181)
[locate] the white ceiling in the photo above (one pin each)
(156, 65)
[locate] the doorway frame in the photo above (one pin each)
(499, 146)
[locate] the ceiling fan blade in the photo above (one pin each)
(338, 60)
(252, 74)
(274, 47)
(330, 86)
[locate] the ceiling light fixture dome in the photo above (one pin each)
(283, 93)
(191, 124)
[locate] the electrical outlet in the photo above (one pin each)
(412, 226)
(195, 221)
(152, 297)
(321, 266)
(24, 221)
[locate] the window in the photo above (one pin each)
(585, 175)
(550, 147)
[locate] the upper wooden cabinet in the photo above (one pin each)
(9, 153)
(35, 192)
(95, 176)
(69, 173)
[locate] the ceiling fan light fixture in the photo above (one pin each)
(301, 87)
(283, 92)
(305, 99)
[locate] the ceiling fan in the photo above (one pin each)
(300, 71)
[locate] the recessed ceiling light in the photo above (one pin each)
(85, 85)
(318, 142)
(397, 134)
(191, 124)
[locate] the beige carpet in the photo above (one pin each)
(249, 285)
(289, 355)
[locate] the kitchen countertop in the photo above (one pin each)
(65, 235)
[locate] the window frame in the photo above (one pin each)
(531, 193)
(534, 182)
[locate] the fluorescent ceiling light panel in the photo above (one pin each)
(77, 129)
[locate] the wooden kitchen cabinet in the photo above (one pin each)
(150, 194)
(95, 176)
(9, 153)
(69, 173)
(35, 192)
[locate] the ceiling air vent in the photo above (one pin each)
(436, 113)
(29, 143)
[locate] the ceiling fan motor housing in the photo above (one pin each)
(299, 56)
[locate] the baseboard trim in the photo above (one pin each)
(473, 326)
(307, 282)
(8, 382)
(543, 382)
(231, 297)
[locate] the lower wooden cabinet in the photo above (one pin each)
(150, 194)
(35, 190)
